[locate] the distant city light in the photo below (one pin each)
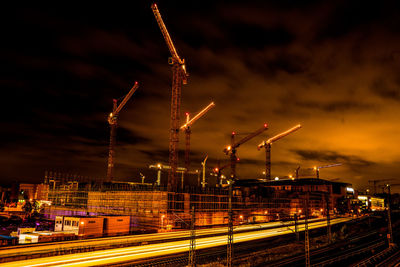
(349, 189)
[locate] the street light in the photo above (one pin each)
(203, 183)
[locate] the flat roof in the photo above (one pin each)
(301, 181)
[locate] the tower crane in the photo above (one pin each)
(113, 121)
(231, 150)
(267, 145)
(317, 168)
(187, 128)
(217, 170)
(179, 77)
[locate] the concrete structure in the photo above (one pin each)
(153, 208)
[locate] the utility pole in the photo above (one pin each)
(296, 227)
(328, 219)
(390, 235)
(229, 256)
(231, 151)
(306, 238)
(192, 250)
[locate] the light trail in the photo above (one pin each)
(112, 256)
(118, 240)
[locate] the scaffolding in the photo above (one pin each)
(153, 207)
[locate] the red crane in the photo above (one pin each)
(267, 145)
(113, 121)
(231, 150)
(179, 77)
(188, 131)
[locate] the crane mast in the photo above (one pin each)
(188, 131)
(113, 121)
(267, 145)
(179, 77)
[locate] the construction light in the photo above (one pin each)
(82, 223)
(233, 133)
(215, 169)
(276, 178)
(159, 165)
(315, 168)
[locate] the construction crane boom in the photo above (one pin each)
(317, 168)
(330, 166)
(188, 131)
(126, 98)
(278, 136)
(245, 139)
(113, 121)
(267, 145)
(234, 145)
(179, 77)
(165, 33)
(197, 116)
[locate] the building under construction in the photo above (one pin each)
(152, 207)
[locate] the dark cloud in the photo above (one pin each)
(333, 157)
(328, 65)
(335, 106)
(385, 90)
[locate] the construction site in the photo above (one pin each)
(162, 206)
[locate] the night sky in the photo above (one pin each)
(331, 66)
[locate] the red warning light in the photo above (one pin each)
(187, 113)
(265, 125)
(233, 133)
(237, 159)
